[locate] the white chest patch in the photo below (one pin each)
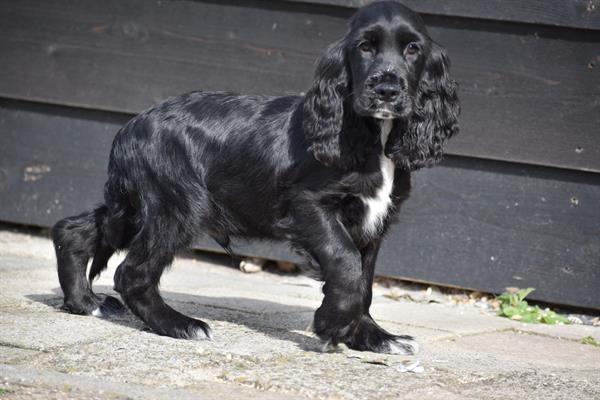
(378, 206)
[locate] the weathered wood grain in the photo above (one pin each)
(583, 14)
(497, 225)
(530, 93)
(470, 223)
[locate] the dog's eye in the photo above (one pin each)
(411, 49)
(365, 47)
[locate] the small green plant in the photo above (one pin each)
(590, 340)
(514, 306)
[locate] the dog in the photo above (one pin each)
(326, 172)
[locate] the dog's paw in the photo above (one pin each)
(198, 330)
(108, 306)
(334, 327)
(371, 337)
(402, 344)
(83, 305)
(184, 327)
(325, 346)
(98, 305)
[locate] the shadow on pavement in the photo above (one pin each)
(277, 320)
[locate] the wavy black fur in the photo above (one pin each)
(296, 168)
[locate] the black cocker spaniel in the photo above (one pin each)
(326, 172)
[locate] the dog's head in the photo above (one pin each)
(386, 67)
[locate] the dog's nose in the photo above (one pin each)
(387, 91)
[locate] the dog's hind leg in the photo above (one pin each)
(76, 240)
(138, 276)
(108, 305)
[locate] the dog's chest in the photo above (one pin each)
(377, 206)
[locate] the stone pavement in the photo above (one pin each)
(262, 349)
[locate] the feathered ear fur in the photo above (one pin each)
(324, 105)
(419, 142)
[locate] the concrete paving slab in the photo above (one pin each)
(262, 348)
(18, 244)
(518, 384)
(444, 317)
(28, 383)
(474, 364)
(43, 331)
(13, 354)
(515, 347)
(573, 332)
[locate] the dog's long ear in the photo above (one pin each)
(419, 142)
(324, 105)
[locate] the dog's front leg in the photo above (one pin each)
(368, 336)
(328, 243)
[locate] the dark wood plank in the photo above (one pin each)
(530, 93)
(78, 53)
(471, 223)
(485, 224)
(53, 160)
(583, 14)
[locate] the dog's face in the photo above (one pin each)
(385, 67)
(386, 50)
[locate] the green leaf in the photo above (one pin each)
(590, 340)
(530, 318)
(514, 306)
(522, 293)
(509, 311)
(550, 317)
